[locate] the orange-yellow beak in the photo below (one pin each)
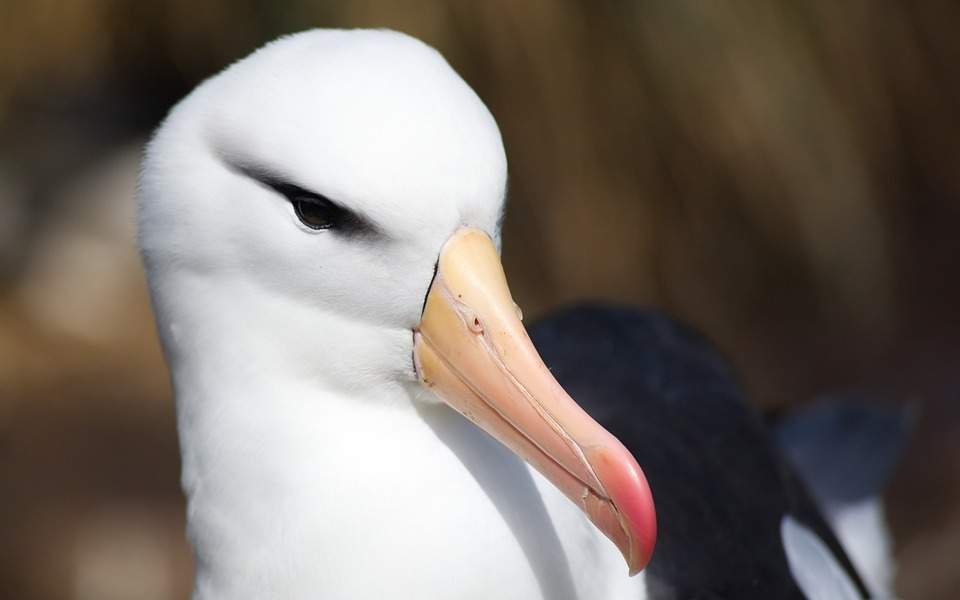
(472, 350)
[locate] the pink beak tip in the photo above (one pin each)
(627, 486)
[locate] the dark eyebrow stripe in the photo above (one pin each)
(350, 222)
(259, 173)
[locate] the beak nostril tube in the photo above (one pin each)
(475, 325)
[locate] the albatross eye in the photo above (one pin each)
(315, 212)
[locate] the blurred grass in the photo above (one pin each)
(784, 175)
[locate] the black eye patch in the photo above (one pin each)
(314, 210)
(317, 211)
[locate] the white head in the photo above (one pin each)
(376, 123)
(325, 213)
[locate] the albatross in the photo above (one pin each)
(320, 228)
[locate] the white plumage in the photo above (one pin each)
(314, 464)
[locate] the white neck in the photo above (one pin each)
(299, 485)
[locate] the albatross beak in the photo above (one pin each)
(472, 350)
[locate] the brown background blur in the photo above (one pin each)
(784, 175)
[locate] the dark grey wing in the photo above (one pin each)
(720, 487)
(845, 447)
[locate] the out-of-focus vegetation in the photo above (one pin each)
(784, 175)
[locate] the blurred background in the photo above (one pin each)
(785, 176)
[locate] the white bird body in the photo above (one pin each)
(273, 512)
(314, 463)
(320, 229)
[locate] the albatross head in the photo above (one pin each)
(333, 202)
